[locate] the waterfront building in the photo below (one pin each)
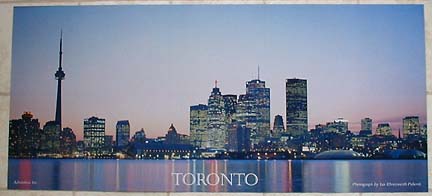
(139, 136)
(68, 143)
(239, 137)
(339, 126)
(198, 125)
(411, 126)
(51, 138)
(172, 137)
(384, 129)
(94, 134)
(296, 107)
(108, 144)
(216, 127)
(122, 134)
(184, 139)
(342, 125)
(24, 136)
(366, 124)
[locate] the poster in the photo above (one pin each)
(218, 98)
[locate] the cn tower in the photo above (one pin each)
(59, 76)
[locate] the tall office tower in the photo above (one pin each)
(411, 126)
(239, 137)
(384, 129)
(94, 134)
(296, 107)
(59, 76)
(366, 124)
(24, 136)
(278, 126)
(198, 125)
(68, 143)
(246, 113)
(122, 134)
(260, 95)
(216, 126)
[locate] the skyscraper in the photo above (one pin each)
(411, 126)
(216, 119)
(296, 106)
(59, 76)
(260, 95)
(366, 124)
(198, 125)
(247, 114)
(122, 134)
(94, 134)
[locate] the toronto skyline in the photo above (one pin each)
(149, 64)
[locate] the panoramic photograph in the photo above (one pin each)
(218, 98)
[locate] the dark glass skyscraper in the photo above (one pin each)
(122, 133)
(296, 106)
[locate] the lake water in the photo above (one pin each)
(272, 175)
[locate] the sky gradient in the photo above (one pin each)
(148, 64)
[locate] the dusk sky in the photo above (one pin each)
(148, 64)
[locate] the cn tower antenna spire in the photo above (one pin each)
(61, 49)
(258, 73)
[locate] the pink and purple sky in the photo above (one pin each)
(148, 64)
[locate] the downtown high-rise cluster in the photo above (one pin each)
(243, 123)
